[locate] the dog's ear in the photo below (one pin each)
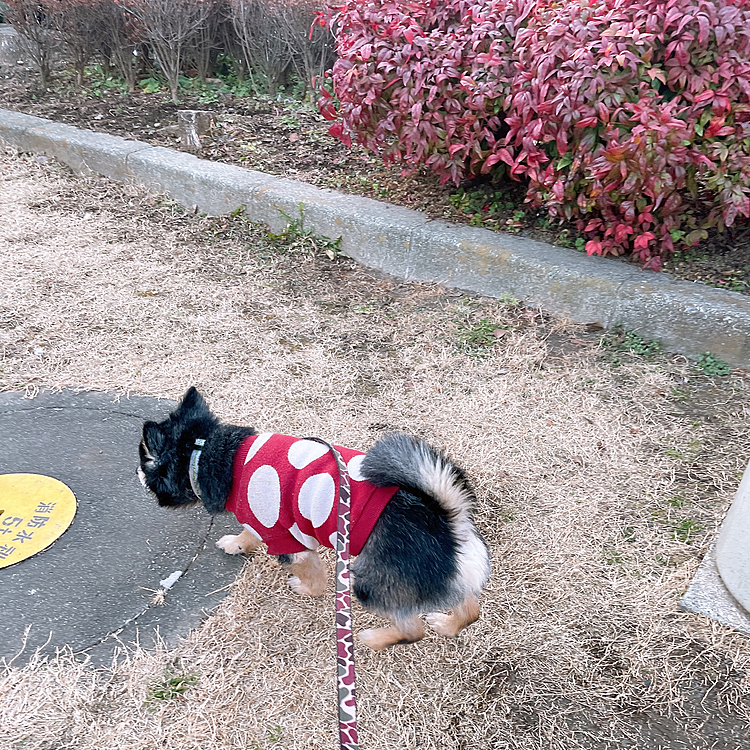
(154, 440)
(192, 401)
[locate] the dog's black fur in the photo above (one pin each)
(424, 553)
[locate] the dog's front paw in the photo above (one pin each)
(442, 624)
(306, 589)
(230, 544)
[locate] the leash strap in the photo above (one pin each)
(344, 640)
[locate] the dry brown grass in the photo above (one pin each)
(600, 486)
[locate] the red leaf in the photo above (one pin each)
(336, 130)
(704, 27)
(490, 162)
(587, 122)
(328, 111)
(716, 124)
(704, 96)
(643, 240)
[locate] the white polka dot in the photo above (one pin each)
(316, 496)
(355, 468)
(332, 539)
(309, 541)
(258, 443)
(304, 452)
(264, 495)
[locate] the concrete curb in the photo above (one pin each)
(685, 317)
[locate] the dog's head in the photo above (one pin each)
(166, 448)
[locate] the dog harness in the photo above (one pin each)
(285, 491)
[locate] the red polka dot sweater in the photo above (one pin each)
(285, 490)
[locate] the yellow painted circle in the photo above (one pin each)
(34, 511)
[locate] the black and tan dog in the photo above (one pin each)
(417, 549)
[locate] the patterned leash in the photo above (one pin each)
(344, 640)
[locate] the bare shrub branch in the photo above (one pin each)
(120, 40)
(76, 23)
(260, 27)
(35, 26)
(205, 45)
(312, 45)
(168, 27)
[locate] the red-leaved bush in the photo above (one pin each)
(425, 82)
(630, 118)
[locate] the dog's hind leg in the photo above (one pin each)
(309, 576)
(402, 631)
(459, 618)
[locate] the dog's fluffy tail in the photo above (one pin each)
(406, 462)
(411, 464)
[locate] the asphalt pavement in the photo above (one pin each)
(125, 568)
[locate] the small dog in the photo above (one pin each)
(417, 548)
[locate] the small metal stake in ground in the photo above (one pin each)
(34, 511)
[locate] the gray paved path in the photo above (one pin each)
(99, 577)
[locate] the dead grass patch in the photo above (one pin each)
(587, 474)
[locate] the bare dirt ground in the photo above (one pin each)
(601, 478)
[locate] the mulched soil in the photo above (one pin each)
(291, 139)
